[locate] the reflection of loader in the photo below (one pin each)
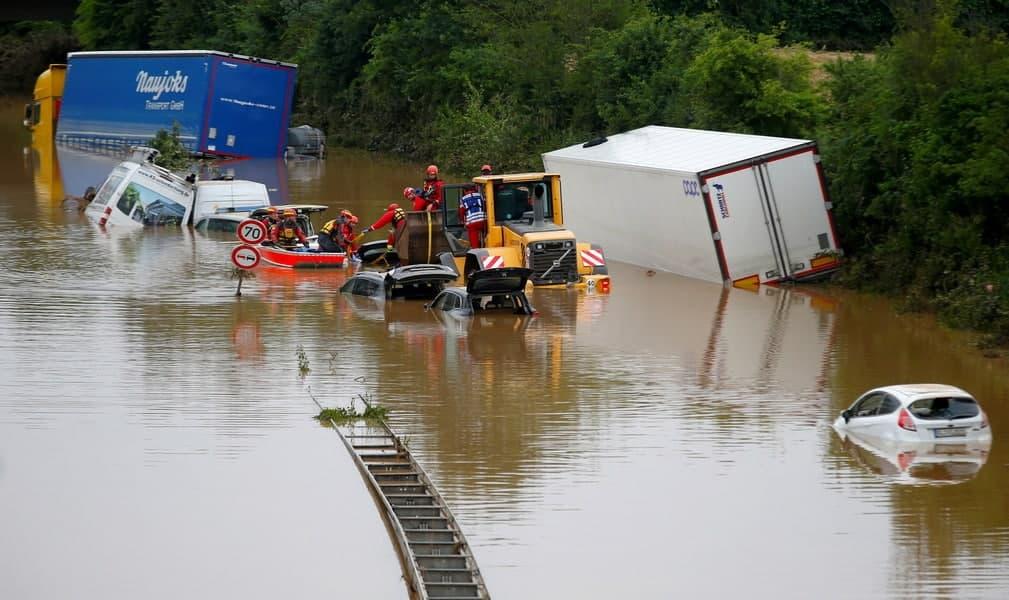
(524, 229)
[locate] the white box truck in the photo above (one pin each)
(723, 207)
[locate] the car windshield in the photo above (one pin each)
(944, 408)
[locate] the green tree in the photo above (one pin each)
(114, 24)
(739, 84)
(27, 48)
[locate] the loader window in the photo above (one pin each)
(514, 201)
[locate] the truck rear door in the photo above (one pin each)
(795, 196)
(748, 250)
(248, 108)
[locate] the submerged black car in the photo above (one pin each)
(413, 282)
(487, 290)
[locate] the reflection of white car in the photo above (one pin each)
(916, 462)
(916, 413)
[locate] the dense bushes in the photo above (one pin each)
(28, 48)
(915, 145)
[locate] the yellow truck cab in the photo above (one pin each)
(525, 228)
(44, 110)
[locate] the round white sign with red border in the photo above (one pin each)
(251, 231)
(245, 257)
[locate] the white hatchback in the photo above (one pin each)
(927, 412)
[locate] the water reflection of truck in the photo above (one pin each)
(225, 104)
(523, 230)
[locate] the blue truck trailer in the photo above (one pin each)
(224, 104)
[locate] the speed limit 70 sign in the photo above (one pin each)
(245, 257)
(251, 231)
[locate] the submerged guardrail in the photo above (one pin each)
(436, 558)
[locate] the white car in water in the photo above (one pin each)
(912, 413)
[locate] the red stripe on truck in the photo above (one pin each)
(719, 251)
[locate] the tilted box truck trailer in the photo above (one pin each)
(723, 207)
(225, 104)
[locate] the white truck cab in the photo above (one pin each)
(138, 193)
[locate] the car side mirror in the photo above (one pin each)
(847, 415)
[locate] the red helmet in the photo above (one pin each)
(394, 206)
(353, 219)
(486, 170)
(347, 214)
(432, 171)
(271, 210)
(408, 193)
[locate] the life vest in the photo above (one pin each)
(289, 231)
(398, 216)
(473, 204)
(328, 227)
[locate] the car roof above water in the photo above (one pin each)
(916, 390)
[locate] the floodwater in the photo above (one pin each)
(671, 439)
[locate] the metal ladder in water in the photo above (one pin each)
(437, 561)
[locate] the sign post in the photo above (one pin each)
(245, 258)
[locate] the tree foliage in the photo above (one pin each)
(28, 48)
(173, 155)
(916, 148)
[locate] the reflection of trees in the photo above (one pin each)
(130, 198)
(488, 402)
(936, 529)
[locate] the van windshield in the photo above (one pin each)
(146, 206)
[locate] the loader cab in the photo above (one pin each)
(510, 197)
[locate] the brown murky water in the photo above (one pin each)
(671, 439)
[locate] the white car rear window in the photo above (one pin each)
(944, 408)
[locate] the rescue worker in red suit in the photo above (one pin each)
(347, 232)
(270, 219)
(288, 233)
(473, 212)
(331, 234)
(393, 215)
(417, 202)
(432, 191)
